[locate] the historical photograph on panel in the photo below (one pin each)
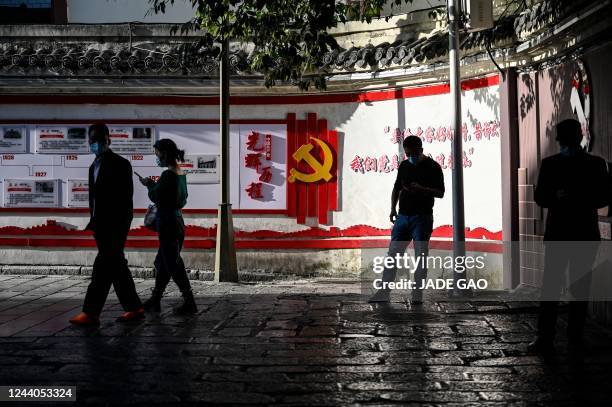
(13, 140)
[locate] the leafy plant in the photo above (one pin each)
(289, 37)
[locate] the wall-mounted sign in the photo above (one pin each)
(62, 140)
(320, 169)
(77, 193)
(263, 160)
(132, 140)
(201, 169)
(13, 139)
(28, 193)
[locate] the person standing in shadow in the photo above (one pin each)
(572, 185)
(169, 194)
(111, 209)
(419, 180)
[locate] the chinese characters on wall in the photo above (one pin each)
(480, 132)
(258, 158)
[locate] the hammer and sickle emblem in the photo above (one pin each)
(321, 170)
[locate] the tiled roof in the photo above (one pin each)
(164, 58)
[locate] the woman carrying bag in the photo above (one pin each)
(169, 194)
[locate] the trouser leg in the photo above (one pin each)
(162, 275)
(580, 274)
(421, 229)
(125, 287)
(555, 262)
(170, 244)
(101, 281)
(400, 238)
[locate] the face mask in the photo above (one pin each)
(413, 159)
(96, 148)
(569, 151)
(160, 162)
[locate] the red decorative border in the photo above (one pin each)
(53, 234)
(354, 97)
(53, 228)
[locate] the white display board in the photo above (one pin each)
(31, 193)
(132, 140)
(61, 140)
(202, 168)
(13, 139)
(60, 153)
(77, 193)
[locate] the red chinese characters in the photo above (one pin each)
(268, 146)
(357, 164)
(254, 190)
(252, 160)
(253, 142)
(375, 164)
(258, 160)
(266, 174)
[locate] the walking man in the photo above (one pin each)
(419, 180)
(111, 210)
(572, 185)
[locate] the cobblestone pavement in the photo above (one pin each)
(292, 343)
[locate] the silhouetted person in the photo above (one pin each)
(110, 205)
(572, 185)
(419, 180)
(169, 194)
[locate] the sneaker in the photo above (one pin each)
(84, 319)
(131, 316)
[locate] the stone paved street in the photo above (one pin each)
(310, 342)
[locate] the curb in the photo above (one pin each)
(138, 272)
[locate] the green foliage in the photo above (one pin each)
(290, 37)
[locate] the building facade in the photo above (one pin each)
(311, 172)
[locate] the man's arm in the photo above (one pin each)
(601, 186)
(395, 194)
(127, 188)
(90, 182)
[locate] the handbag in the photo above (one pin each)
(150, 218)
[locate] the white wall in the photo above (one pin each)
(364, 197)
(122, 11)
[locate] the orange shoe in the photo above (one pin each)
(84, 319)
(130, 316)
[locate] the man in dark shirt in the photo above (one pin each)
(572, 185)
(419, 180)
(111, 209)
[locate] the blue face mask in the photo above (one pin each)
(160, 162)
(96, 148)
(567, 151)
(413, 159)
